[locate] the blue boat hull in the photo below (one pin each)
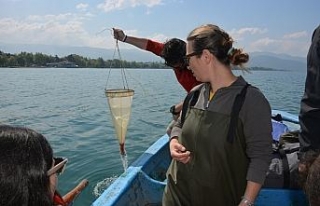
(144, 180)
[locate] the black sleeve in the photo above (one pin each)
(309, 116)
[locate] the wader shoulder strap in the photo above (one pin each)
(192, 98)
(189, 101)
(238, 102)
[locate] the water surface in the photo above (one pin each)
(69, 107)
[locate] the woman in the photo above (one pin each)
(28, 171)
(211, 165)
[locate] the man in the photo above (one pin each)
(310, 103)
(173, 52)
(309, 118)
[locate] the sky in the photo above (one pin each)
(278, 26)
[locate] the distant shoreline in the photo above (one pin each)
(36, 67)
(39, 60)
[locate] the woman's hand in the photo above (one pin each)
(179, 152)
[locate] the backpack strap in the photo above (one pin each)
(237, 105)
(285, 168)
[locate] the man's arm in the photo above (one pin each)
(176, 109)
(135, 41)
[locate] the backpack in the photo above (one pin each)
(283, 169)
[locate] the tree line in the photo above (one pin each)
(26, 59)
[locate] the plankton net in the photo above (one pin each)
(119, 101)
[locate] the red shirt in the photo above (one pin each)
(58, 200)
(184, 75)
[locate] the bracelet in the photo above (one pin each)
(246, 201)
(124, 38)
(173, 110)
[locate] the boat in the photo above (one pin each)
(143, 182)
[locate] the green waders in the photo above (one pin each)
(216, 173)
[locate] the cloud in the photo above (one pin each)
(296, 35)
(159, 37)
(110, 5)
(264, 42)
(148, 3)
(282, 45)
(50, 17)
(69, 29)
(50, 32)
(238, 34)
(249, 30)
(82, 7)
(62, 29)
(259, 39)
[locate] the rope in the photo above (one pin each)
(123, 74)
(117, 53)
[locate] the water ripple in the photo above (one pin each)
(73, 114)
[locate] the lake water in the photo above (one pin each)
(69, 107)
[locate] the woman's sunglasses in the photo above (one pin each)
(186, 58)
(60, 164)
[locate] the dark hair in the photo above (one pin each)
(219, 43)
(174, 51)
(25, 158)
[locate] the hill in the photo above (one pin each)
(257, 59)
(277, 61)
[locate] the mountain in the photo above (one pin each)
(277, 61)
(257, 59)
